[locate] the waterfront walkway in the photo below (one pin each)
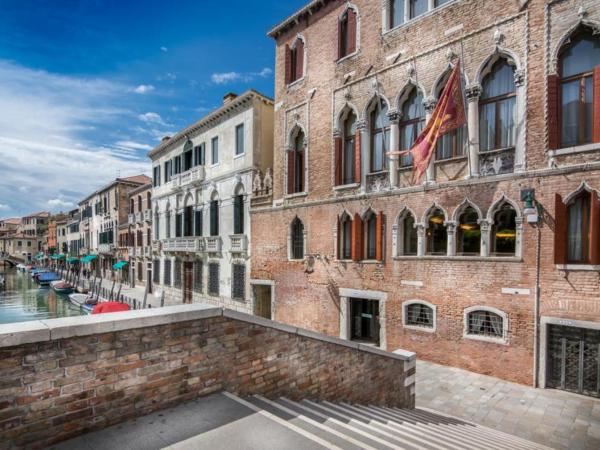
(554, 418)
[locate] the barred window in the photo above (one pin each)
(156, 271)
(177, 276)
(485, 323)
(167, 276)
(213, 279)
(198, 276)
(238, 286)
(420, 315)
(297, 239)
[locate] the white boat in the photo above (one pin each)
(84, 301)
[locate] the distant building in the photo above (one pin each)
(139, 236)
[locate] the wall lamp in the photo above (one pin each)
(531, 207)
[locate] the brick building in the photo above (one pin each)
(140, 236)
(499, 242)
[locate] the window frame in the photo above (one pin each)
(214, 150)
(345, 252)
(416, 327)
(384, 132)
(297, 240)
(237, 140)
(467, 334)
(211, 282)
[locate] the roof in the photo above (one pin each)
(37, 214)
(143, 188)
(136, 179)
(294, 18)
(207, 120)
(12, 220)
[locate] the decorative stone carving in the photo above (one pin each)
(497, 163)
(582, 12)
(519, 77)
(268, 181)
(429, 104)
(498, 37)
(361, 125)
(394, 116)
(378, 182)
(337, 133)
(347, 94)
(473, 92)
(411, 70)
(256, 182)
(450, 55)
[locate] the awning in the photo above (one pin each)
(120, 265)
(40, 257)
(58, 257)
(72, 260)
(88, 258)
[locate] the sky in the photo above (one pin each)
(88, 87)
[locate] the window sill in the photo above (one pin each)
(492, 340)
(578, 267)
(296, 260)
(241, 155)
(344, 187)
(508, 259)
(295, 83)
(348, 57)
(370, 261)
(451, 160)
(574, 150)
(296, 195)
(418, 328)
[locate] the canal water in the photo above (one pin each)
(21, 300)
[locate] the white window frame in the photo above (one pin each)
(501, 340)
(405, 306)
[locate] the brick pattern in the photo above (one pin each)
(56, 390)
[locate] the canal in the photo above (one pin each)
(21, 300)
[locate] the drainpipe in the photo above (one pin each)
(536, 308)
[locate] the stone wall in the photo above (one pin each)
(64, 377)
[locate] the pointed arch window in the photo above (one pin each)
(437, 234)
(347, 33)
(411, 123)
(380, 136)
(214, 217)
(371, 236)
(497, 108)
(297, 239)
(504, 231)
(294, 61)
(345, 238)
(407, 234)
(452, 144)
(296, 164)
(238, 214)
(469, 233)
(349, 149)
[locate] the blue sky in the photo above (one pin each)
(88, 87)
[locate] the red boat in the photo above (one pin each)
(110, 307)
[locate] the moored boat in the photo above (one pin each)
(84, 301)
(61, 287)
(45, 278)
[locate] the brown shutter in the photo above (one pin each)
(340, 40)
(338, 161)
(357, 238)
(560, 230)
(291, 176)
(299, 59)
(379, 237)
(351, 41)
(553, 113)
(340, 238)
(596, 105)
(357, 155)
(594, 229)
(288, 64)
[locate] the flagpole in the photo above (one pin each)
(465, 106)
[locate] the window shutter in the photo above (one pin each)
(553, 113)
(357, 238)
(379, 237)
(338, 161)
(596, 105)
(291, 171)
(288, 64)
(560, 230)
(357, 155)
(340, 39)
(299, 59)
(594, 229)
(340, 238)
(351, 32)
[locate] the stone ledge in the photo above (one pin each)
(23, 333)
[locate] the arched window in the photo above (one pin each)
(485, 323)
(238, 214)
(578, 228)
(168, 224)
(380, 136)
(347, 33)
(294, 61)
(148, 200)
(407, 235)
(578, 59)
(296, 164)
(297, 239)
(468, 233)
(411, 123)
(348, 160)
(454, 143)
(345, 237)
(214, 217)
(139, 199)
(131, 206)
(370, 231)
(437, 235)
(417, 314)
(497, 108)
(504, 231)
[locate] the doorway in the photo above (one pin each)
(188, 281)
(364, 321)
(262, 301)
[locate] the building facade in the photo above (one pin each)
(74, 240)
(139, 237)
(62, 245)
(203, 182)
(491, 261)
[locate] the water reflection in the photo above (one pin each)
(21, 300)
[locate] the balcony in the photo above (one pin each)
(133, 252)
(238, 243)
(139, 217)
(131, 219)
(148, 215)
(106, 248)
(147, 252)
(184, 245)
(193, 176)
(213, 244)
(156, 246)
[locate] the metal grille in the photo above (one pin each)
(198, 276)
(167, 276)
(419, 315)
(178, 280)
(297, 239)
(156, 271)
(238, 286)
(213, 279)
(486, 323)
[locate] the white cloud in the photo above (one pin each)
(164, 49)
(143, 89)
(152, 117)
(60, 203)
(233, 77)
(131, 145)
(3, 206)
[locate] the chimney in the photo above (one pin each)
(165, 139)
(229, 97)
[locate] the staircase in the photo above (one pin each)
(344, 426)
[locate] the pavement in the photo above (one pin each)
(129, 293)
(550, 417)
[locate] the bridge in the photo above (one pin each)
(10, 260)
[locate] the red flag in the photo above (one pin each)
(449, 115)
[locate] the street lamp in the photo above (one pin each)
(531, 211)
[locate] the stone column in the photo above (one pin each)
(519, 237)
(451, 230)
(394, 117)
(430, 105)
(520, 121)
(484, 226)
(473, 92)
(361, 127)
(421, 236)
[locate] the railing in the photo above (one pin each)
(192, 176)
(131, 219)
(183, 245)
(147, 252)
(148, 215)
(213, 244)
(238, 243)
(156, 246)
(139, 217)
(132, 252)
(106, 248)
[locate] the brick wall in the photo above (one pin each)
(88, 377)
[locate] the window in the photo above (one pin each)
(238, 214)
(504, 231)
(347, 33)
(418, 7)
(177, 165)
(156, 226)
(454, 143)
(297, 238)
(200, 155)
(140, 271)
(213, 279)
(167, 275)
(411, 124)
(396, 13)
(168, 224)
(485, 323)
(408, 235)
(497, 108)
(188, 221)
(131, 206)
(198, 266)
(437, 235)
(468, 233)
(418, 315)
(167, 168)
(188, 156)
(140, 206)
(348, 161)
(296, 164)
(380, 136)
(177, 274)
(294, 61)
(578, 228)
(198, 223)
(345, 238)
(371, 236)
(238, 285)
(156, 176)
(178, 224)
(215, 150)
(239, 139)
(578, 59)
(214, 218)
(149, 200)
